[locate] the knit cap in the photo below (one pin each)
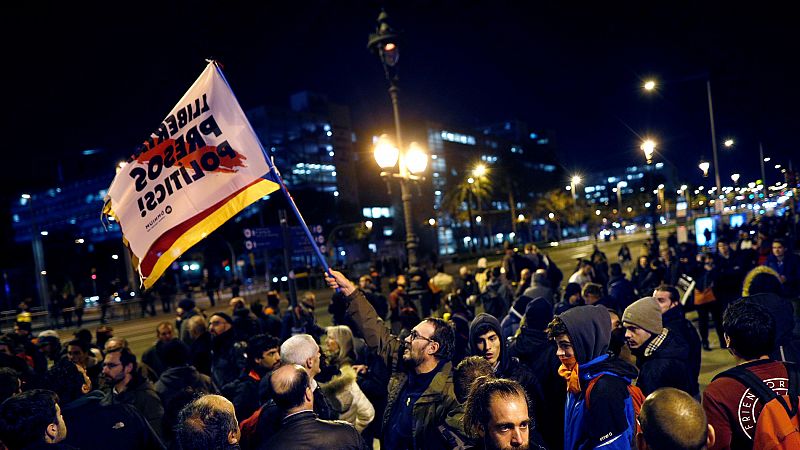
(645, 314)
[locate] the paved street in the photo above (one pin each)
(140, 332)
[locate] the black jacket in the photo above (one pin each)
(226, 362)
(243, 393)
(676, 322)
(140, 394)
(664, 367)
(152, 357)
(304, 431)
(176, 379)
(91, 425)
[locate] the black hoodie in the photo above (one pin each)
(508, 367)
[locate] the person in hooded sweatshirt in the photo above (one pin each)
(535, 351)
(485, 340)
(179, 374)
(607, 420)
(660, 352)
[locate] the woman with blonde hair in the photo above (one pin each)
(343, 391)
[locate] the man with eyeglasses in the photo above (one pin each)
(124, 384)
(420, 391)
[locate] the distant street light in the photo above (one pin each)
(728, 143)
(704, 167)
(735, 178)
(648, 147)
(574, 182)
(368, 224)
(479, 170)
(649, 85)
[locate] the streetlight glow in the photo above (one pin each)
(470, 180)
(479, 170)
(728, 143)
(767, 159)
(416, 158)
(478, 219)
(649, 85)
(735, 178)
(431, 221)
(648, 147)
(386, 154)
(576, 180)
(704, 167)
(551, 216)
(520, 218)
(26, 196)
(368, 224)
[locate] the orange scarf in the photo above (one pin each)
(569, 371)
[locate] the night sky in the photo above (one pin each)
(83, 77)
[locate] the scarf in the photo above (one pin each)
(569, 371)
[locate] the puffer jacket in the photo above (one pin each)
(437, 405)
(348, 399)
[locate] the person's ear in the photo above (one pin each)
(51, 433)
(309, 363)
(309, 394)
(712, 437)
(432, 349)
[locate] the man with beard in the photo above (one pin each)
(263, 356)
(224, 356)
(124, 384)
(496, 416)
(604, 419)
(420, 392)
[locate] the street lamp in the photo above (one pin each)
(704, 165)
(713, 131)
(384, 42)
(735, 178)
(574, 182)
(412, 162)
(648, 147)
(728, 143)
(649, 85)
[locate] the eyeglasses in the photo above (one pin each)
(111, 365)
(414, 336)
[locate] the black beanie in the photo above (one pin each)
(224, 317)
(538, 313)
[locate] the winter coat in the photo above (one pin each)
(152, 357)
(243, 393)
(303, 431)
(662, 363)
(245, 324)
(541, 290)
(226, 359)
(176, 379)
(200, 352)
(535, 351)
(347, 398)
(497, 298)
(92, 425)
(621, 289)
(140, 394)
(677, 323)
(789, 268)
(511, 321)
(436, 405)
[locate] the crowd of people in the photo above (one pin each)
(494, 357)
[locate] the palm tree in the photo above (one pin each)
(459, 200)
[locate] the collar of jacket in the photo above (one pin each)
(432, 394)
(656, 342)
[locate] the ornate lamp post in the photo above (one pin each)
(384, 42)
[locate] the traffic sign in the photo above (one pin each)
(271, 238)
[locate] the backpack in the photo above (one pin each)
(637, 399)
(778, 424)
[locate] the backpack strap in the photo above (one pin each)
(762, 391)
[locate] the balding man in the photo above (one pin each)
(672, 420)
(300, 428)
(206, 423)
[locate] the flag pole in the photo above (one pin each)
(278, 179)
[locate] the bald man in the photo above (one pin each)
(300, 428)
(208, 422)
(672, 420)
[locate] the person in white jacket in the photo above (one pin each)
(342, 391)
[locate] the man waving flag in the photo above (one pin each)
(200, 167)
